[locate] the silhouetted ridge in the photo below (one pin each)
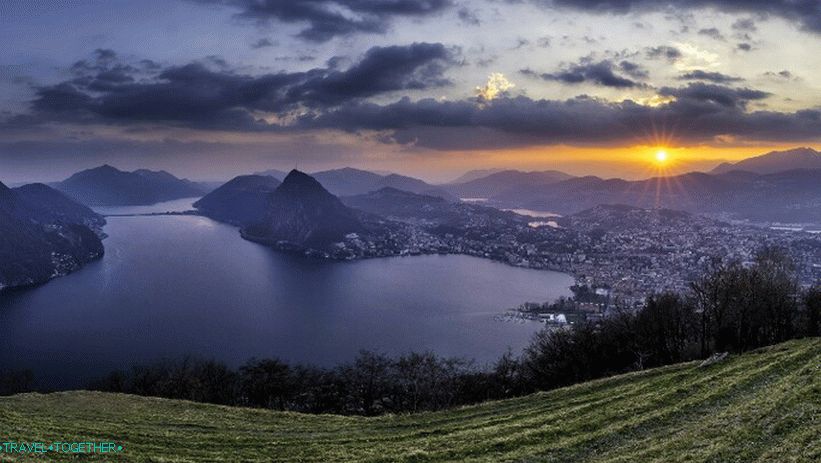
(241, 201)
(43, 234)
(350, 182)
(109, 186)
(775, 161)
(300, 183)
(303, 214)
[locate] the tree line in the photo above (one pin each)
(733, 307)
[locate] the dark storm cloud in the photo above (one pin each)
(633, 69)
(715, 77)
(709, 95)
(468, 16)
(807, 13)
(745, 25)
(203, 97)
(663, 52)
(712, 32)
(785, 74)
(699, 112)
(326, 19)
(601, 73)
(200, 96)
(262, 43)
(383, 69)
(744, 46)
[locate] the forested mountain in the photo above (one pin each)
(108, 186)
(302, 213)
(242, 201)
(43, 235)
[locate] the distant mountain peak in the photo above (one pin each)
(297, 175)
(108, 186)
(299, 182)
(302, 213)
(474, 175)
(775, 161)
(275, 173)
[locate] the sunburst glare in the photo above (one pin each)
(661, 156)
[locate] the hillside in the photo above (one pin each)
(499, 182)
(108, 186)
(349, 181)
(241, 201)
(759, 407)
(303, 214)
(775, 161)
(791, 196)
(44, 234)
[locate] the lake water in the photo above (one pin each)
(170, 286)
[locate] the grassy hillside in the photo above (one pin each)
(764, 406)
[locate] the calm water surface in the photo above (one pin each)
(169, 286)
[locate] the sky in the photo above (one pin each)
(209, 89)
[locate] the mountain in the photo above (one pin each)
(171, 184)
(49, 205)
(757, 407)
(428, 210)
(43, 235)
(497, 183)
(301, 213)
(108, 186)
(394, 202)
(474, 175)
(241, 201)
(349, 182)
(401, 182)
(276, 173)
(775, 161)
(791, 196)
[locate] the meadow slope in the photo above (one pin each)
(764, 406)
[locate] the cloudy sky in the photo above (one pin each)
(213, 88)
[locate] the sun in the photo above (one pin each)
(661, 156)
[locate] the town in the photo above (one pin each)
(624, 253)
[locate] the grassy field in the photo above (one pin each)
(764, 406)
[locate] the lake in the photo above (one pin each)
(171, 286)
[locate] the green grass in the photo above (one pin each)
(764, 406)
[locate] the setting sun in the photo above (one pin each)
(661, 156)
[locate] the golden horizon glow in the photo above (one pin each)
(661, 156)
(631, 162)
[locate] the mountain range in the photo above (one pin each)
(108, 186)
(432, 212)
(44, 234)
(774, 162)
(780, 186)
(349, 181)
(499, 182)
(474, 174)
(790, 196)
